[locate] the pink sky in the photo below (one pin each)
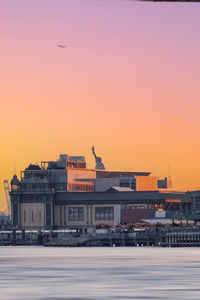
(127, 82)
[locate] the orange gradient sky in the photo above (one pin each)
(127, 82)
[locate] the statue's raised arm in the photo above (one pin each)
(99, 164)
(93, 151)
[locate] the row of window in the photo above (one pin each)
(104, 213)
(33, 217)
(35, 186)
(77, 214)
(34, 197)
(128, 182)
(75, 187)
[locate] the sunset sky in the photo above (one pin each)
(128, 82)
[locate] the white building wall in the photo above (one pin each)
(117, 214)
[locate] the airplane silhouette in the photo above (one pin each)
(61, 46)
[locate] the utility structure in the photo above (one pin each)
(99, 164)
(6, 188)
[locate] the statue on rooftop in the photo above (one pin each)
(99, 164)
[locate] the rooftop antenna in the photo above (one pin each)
(169, 175)
(15, 166)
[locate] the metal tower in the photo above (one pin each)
(6, 188)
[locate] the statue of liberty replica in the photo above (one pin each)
(99, 164)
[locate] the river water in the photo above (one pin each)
(99, 273)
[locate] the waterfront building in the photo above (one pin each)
(62, 194)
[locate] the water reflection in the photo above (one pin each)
(99, 273)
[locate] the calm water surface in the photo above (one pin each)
(99, 273)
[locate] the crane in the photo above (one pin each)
(6, 188)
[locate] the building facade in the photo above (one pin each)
(62, 194)
(58, 210)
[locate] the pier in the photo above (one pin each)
(71, 238)
(181, 239)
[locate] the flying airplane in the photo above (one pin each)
(61, 46)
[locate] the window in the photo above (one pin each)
(24, 186)
(32, 216)
(40, 216)
(48, 214)
(64, 215)
(104, 213)
(15, 214)
(76, 213)
(128, 182)
(60, 215)
(44, 186)
(24, 216)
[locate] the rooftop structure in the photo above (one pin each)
(60, 175)
(121, 174)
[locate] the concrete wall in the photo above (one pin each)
(32, 215)
(103, 184)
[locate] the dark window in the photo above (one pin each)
(24, 216)
(128, 182)
(48, 197)
(24, 186)
(48, 214)
(15, 197)
(44, 186)
(124, 184)
(15, 214)
(64, 215)
(76, 213)
(104, 213)
(60, 215)
(40, 216)
(32, 216)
